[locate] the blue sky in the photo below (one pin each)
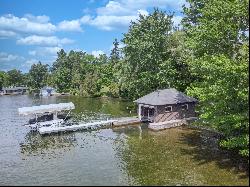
(34, 30)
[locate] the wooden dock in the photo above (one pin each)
(118, 122)
(170, 124)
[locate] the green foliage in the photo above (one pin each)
(3, 77)
(14, 78)
(223, 95)
(115, 52)
(145, 49)
(216, 26)
(208, 59)
(38, 75)
(153, 53)
(219, 59)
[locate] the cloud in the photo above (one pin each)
(38, 19)
(113, 8)
(170, 4)
(45, 51)
(118, 14)
(120, 46)
(44, 40)
(111, 22)
(6, 34)
(10, 61)
(97, 53)
(30, 62)
(6, 57)
(177, 20)
(73, 25)
(28, 24)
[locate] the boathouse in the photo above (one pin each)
(14, 90)
(165, 105)
(47, 91)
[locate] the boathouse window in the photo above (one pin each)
(168, 108)
(184, 107)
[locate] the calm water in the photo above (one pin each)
(120, 156)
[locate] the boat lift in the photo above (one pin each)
(53, 124)
(48, 115)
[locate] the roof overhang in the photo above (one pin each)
(46, 108)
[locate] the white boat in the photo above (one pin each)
(47, 116)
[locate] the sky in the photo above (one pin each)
(34, 30)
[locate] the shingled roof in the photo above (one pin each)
(165, 97)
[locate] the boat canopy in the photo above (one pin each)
(46, 108)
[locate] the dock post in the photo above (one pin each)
(140, 131)
(139, 111)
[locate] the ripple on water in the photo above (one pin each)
(119, 156)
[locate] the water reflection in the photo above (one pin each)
(165, 158)
(130, 155)
(203, 149)
(36, 144)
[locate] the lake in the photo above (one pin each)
(130, 155)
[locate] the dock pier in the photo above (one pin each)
(116, 122)
(91, 125)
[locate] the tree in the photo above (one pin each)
(115, 52)
(14, 78)
(38, 75)
(216, 26)
(151, 54)
(216, 37)
(3, 79)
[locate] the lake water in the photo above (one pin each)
(121, 156)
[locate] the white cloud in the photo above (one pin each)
(6, 57)
(142, 4)
(85, 19)
(73, 25)
(143, 12)
(28, 24)
(117, 14)
(45, 51)
(114, 8)
(120, 46)
(10, 61)
(6, 34)
(44, 40)
(111, 22)
(177, 20)
(30, 62)
(38, 19)
(97, 53)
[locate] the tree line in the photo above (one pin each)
(206, 57)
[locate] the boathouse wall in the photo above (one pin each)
(179, 111)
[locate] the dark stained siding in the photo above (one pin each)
(177, 112)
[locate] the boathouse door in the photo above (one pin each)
(148, 113)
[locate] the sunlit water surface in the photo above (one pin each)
(121, 156)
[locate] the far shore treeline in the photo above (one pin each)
(206, 57)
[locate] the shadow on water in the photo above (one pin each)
(204, 148)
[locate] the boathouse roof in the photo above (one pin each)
(165, 97)
(46, 108)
